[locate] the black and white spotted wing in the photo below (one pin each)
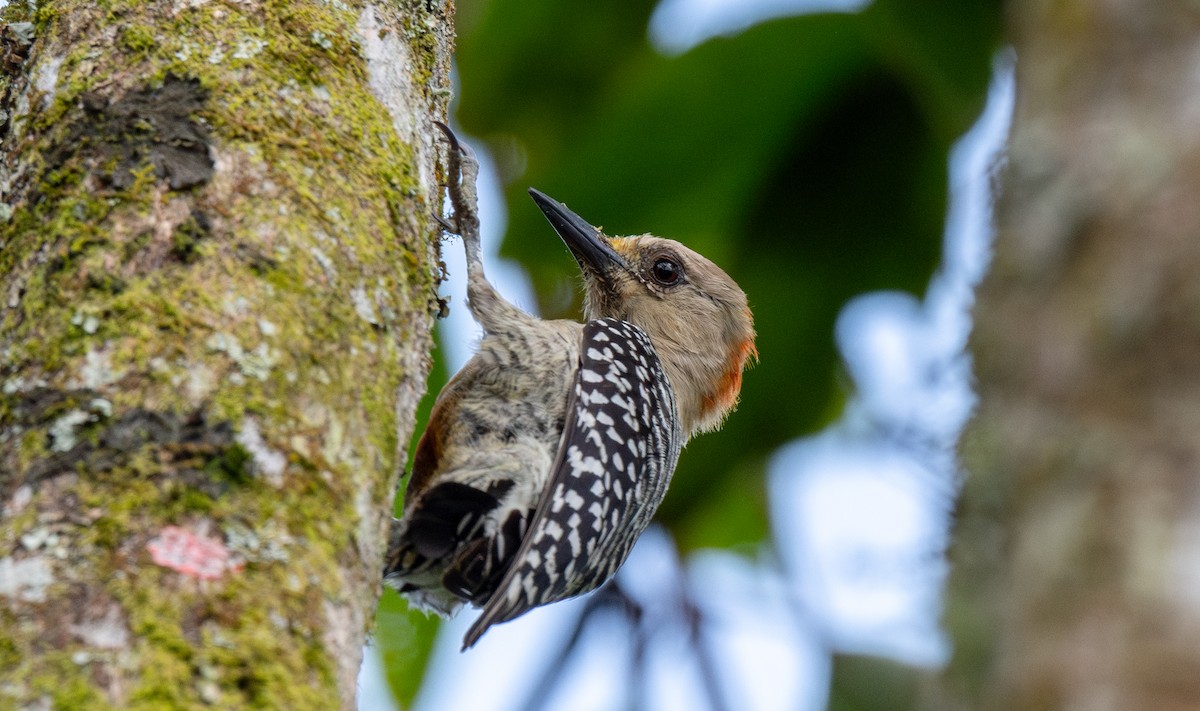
(618, 451)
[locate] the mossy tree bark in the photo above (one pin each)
(1078, 551)
(217, 281)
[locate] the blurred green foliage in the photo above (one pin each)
(861, 683)
(807, 156)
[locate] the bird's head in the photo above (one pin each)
(696, 316)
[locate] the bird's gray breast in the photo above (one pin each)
(520, 381)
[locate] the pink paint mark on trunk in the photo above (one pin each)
(197, 556)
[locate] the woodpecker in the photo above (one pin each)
(547, 455)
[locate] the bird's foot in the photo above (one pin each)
(462, 169)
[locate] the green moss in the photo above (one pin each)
(69, 691)
(45, 14)
(77, 695)
(10, 655)
(166, 654)
(271, 266)
(252, 662)
(19, 524)
(32, 446)
(138, 39)
(232, 464)
(56, 676)
(265, 661)
(186, 239)
(18, 11)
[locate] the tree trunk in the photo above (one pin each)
(217, 274)
(1078, 553)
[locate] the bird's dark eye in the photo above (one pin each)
(666, 271)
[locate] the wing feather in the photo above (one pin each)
(618, 450)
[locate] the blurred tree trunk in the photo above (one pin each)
(216, 274)
(1077, 562)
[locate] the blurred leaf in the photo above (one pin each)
(943, 49)
(535, 68)
(872, 684)
(405, 639)
(680, 145)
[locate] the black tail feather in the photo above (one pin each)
(445, 516)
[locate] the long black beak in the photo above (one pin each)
(590, 247)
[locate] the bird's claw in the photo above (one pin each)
(453, 139)
(463, 169)
(456, 146)
(446, 224)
